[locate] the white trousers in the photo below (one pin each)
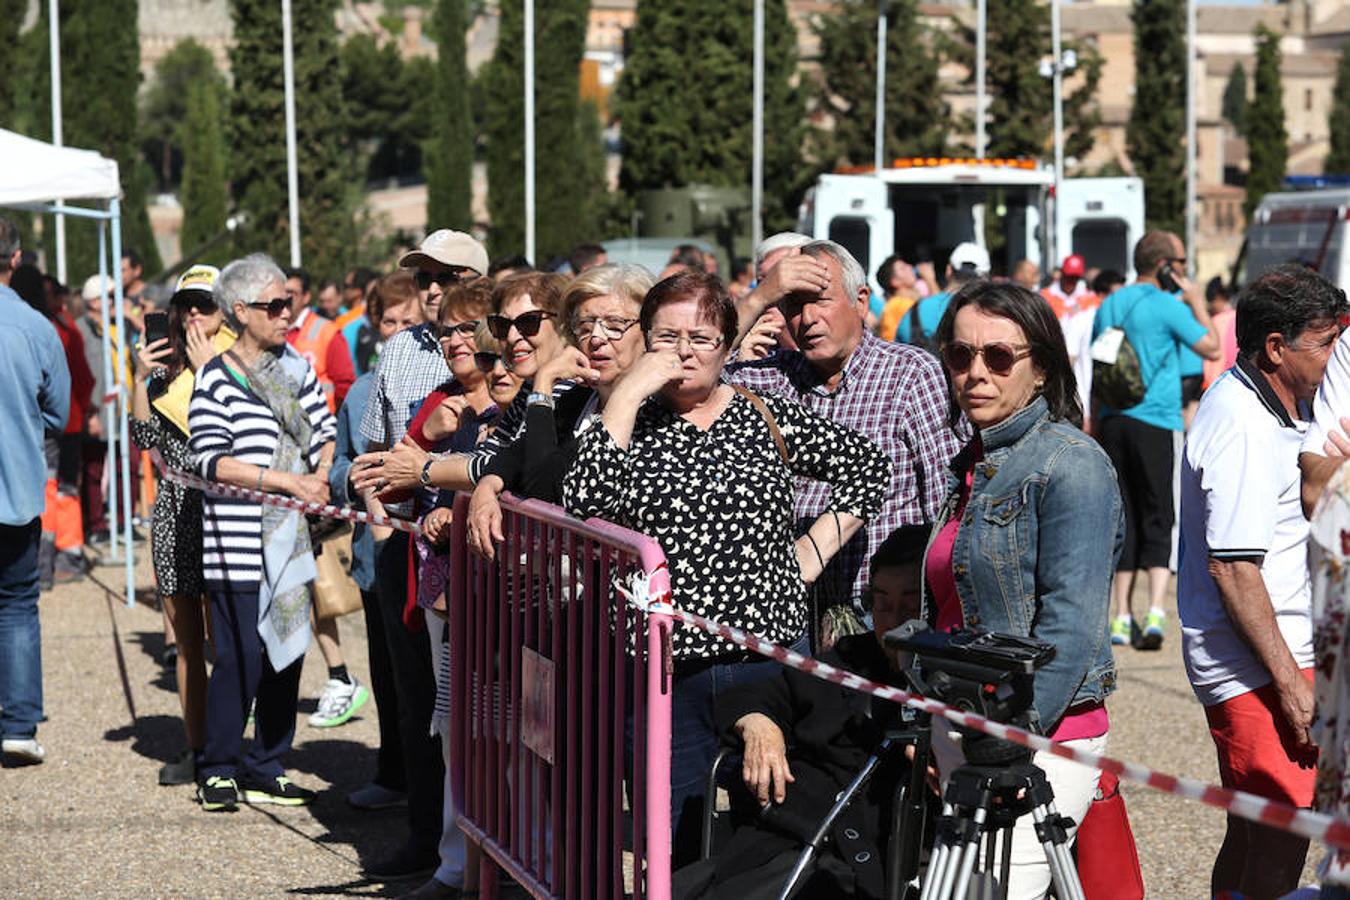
(452, 848)
(1074, 785)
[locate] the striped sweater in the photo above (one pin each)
(228, 420)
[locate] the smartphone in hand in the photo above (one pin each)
(156, 327)
(1166, 280)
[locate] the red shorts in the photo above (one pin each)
(1257, 750)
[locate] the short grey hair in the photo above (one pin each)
(243, 281)
(783, 240)
(855, 279)
(9, 242)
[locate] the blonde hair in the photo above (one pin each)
(622, 280)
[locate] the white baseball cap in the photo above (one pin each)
(96, 286)
(969, 255)
(449, 248)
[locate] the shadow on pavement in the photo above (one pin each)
(155, 737)
(345, 766)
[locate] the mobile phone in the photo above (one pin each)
(156, 327)
(1166, 280)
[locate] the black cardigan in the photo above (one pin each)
(534, 464)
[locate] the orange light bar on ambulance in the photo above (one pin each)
(920, 162)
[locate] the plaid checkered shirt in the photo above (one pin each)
(892, 393)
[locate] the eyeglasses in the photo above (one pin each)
(670, 340)
(426, 279)
(528, 324)
(275, 307)
(999, 357)
(463, 329)
(610, 327)
(486, 361)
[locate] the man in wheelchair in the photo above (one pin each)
(803, 741)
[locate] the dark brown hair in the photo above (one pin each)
(392, 290)
(714, 303)
(466, 301)
(545, 290)
(1045, 337)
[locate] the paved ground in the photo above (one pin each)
(93, 822)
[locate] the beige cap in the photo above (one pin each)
(96, 286)
(448, 248)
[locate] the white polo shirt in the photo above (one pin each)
(1240, 499)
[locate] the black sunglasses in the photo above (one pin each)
(274, 307)
(999, 357)
(426, 279)
(200, 301)
(463, 329)
(528, 324)
(486, 361)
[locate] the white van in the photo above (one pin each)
(1299, 226)
(922, 208)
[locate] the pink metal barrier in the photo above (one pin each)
(554, 680)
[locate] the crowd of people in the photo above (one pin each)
(819, 464)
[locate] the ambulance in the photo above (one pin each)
(921, 208)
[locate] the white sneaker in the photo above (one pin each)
(339, 702)
(23, 751)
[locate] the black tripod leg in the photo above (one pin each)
(912, 819)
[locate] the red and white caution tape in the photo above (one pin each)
(1306, 823)
(326, 510)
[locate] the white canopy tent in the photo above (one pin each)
(42, 177)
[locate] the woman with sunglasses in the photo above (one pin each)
(600, 313)
(1027, 540)
(258, 420)
(709, 472)
(159, 421)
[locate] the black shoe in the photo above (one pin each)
(169, 658)
(404, 863)
(182, 769)
(279, 790)
(218, 794)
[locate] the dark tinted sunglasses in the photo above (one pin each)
(274, 307)
(463, 329)
(999, 357)
(202, 302)
(426, 279)
(528, 324)
(486, 361)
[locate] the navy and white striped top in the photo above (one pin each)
(227, 419)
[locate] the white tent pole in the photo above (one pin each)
(107, 418)
(123, 395)
(292, 175)
(879, 137)
(980, 19)
(1056, 52)
(757, 132)
(1192, 101)
(54, 51)
(529, 132)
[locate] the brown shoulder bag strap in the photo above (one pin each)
(758, 403)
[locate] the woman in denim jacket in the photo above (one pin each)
(1027, 540)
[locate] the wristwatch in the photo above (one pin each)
(425, 477)
(538, 399)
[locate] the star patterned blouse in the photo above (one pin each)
(719, 502)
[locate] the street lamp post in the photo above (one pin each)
(1060, 61)
(981, 17)
(292, 173)
(757, 129)
(529, 132)
(879, 138)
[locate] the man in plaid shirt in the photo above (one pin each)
(893, 393)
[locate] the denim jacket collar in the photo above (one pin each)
(1001, 437)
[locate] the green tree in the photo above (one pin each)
(1267, 140)
(205, 194)
(1153, 135)
(449, 148)
(1234, 105)
(388, 110)
(1338, 160)
(100, 75)
(685, 102)
(164, 106)
(917, 118)
(11, 17)
(329, 228)
(562, 186)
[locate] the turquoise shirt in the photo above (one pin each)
(34, 396)
(930, 311)
(1158, 327)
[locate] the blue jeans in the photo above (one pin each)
(20, 631)
(694, 738)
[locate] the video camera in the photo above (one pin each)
(985, 672)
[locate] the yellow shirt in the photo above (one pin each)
(892, 313)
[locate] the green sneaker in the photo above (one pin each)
(279, 790)
(218, 794)
(339, 702)
(1120, 630)
(1152, 636)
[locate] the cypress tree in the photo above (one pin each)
(685, 102)
(205, 195)
(449, 150)
(1267, 140)
(1234, 105)
(328, 227)
(1020, 99)
(917, 118)
(1157, 118)
(100, 67)
(11, 16)
(1338, 120)
(165, 102)
(562, 186)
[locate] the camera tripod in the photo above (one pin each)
(980, 805)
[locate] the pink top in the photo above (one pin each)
(1086, 720)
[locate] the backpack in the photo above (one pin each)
(1117, 375)
(917, 336)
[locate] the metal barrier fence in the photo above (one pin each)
(554, 681)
